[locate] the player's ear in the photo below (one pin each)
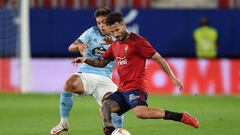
(123, 25)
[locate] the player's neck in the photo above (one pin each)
(125, 36)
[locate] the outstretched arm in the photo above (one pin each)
(77, 46)
(164, 65)
(92, 62)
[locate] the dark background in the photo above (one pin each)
(169, 30)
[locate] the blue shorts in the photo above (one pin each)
(129, 99)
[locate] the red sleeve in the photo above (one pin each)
(109, 54)
(144, 48)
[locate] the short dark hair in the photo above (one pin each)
(104, 11)
(113, 18)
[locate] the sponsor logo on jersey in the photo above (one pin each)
(98, 51)
(121, 61)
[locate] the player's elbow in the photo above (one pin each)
(71, 48)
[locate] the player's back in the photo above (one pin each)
(93, 38)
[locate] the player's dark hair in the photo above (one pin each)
(104, 11)
(113, 18)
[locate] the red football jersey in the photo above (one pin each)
(131, 58)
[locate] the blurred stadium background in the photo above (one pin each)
(35, 34)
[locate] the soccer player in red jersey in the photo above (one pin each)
(131, 52)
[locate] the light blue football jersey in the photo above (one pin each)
(93, 38)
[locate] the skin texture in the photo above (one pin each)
(118, 30)
(107, 108)
(74, 83)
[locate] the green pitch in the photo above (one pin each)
(35, 114)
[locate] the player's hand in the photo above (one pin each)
(78, 60)
(82, 48)
(108, 39)
(178, 83)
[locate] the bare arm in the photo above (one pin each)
(97, 62)
(77, 46)
(92, 62)
(164, 65)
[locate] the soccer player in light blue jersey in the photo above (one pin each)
(89, 80)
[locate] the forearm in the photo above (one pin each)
(163, 64)
(166, 68)
(74, 47)
(96, 62)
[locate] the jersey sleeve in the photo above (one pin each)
(144, 49)
(85, 37)
(109, 54)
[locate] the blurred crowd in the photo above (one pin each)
(232, 4)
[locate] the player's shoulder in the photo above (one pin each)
(93, 29)
(136, 37)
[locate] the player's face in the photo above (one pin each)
(117, 30)
(101, 23)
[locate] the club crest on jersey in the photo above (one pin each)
(95, 40)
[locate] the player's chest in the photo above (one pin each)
(95, 41)
(123, 50)
(96, 46)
